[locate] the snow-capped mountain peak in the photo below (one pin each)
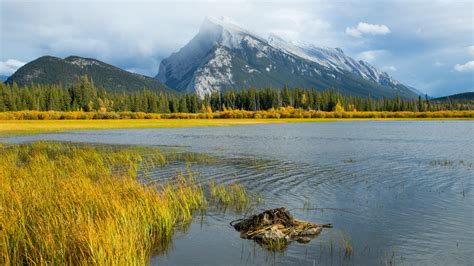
(225, 31)
(225, 55)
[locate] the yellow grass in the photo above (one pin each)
(42, 126)
(66, 204)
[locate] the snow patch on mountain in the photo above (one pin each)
(250, 70)
(83, 62)
(333, 59)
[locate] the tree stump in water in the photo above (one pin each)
(275, 228)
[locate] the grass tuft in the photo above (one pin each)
(233, 195)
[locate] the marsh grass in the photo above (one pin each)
(450, 163)
(190, 157)
(70, 204)
(276, 245)
(445, 163)
(253, 162)
(347, 247)
(233, 195)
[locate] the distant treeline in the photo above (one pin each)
(282, 112)
(84, 96)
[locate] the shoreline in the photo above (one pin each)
(27, 127)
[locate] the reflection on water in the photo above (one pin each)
(395, 191)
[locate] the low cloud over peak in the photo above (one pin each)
(9, 66)
(371, 55)
(366, 28)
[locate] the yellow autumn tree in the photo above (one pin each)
(338, 108)
(352, 108)
(208, 109)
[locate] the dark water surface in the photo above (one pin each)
(398, 191)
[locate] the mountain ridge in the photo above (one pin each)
(55, 70)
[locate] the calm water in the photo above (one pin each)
(398, 191)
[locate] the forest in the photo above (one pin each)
(84, 96)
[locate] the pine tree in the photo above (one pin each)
(183, 108)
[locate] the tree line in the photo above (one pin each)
(84, 96)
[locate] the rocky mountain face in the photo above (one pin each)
(54, 70)
(224, 56)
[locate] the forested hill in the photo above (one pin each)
(54, 70)
(468, 96)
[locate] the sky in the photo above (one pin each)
(428, 45)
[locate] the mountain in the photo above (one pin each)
(223, 56)
(469, 96)
(3, 78)
(54, 70)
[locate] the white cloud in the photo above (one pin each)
(438, 64)
(9, 66)
(469, 66)
(366, 28)
(470, 49)
(295, 24)
(371, 55)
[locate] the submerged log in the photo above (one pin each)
(275, 228)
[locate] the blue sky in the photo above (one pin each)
(425, 44)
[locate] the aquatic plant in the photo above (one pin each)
(347, 247)
(190, 157)
(390, 261)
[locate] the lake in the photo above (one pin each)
(399, 192)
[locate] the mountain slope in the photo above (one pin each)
(223, 56)
(54, 70)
